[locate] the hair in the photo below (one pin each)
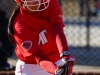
(10, 23)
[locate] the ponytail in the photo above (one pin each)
(10, 23)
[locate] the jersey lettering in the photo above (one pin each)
(42, 37)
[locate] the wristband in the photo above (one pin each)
(64, 54)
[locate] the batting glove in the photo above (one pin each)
(68, 62)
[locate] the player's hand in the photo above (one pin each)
(68, 62)
(59, 70)
(68, 59)
(65, 69)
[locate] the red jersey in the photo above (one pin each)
(41, 31)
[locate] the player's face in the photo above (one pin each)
(31, 5)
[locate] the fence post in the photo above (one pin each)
(88, 23)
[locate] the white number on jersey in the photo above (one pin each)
(42, 37)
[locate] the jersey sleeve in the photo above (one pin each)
(60, 37)
(57, 24)
(25, 39)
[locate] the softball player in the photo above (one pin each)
(36, 27)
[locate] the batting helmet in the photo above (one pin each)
(36, 3)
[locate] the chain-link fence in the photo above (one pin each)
(82, 28)
(82, 20)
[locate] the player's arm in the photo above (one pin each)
(57, 25)
(56, 20)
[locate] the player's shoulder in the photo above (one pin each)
(53, 6)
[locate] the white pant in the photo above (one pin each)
(31, 69)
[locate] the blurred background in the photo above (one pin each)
(82, 30)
